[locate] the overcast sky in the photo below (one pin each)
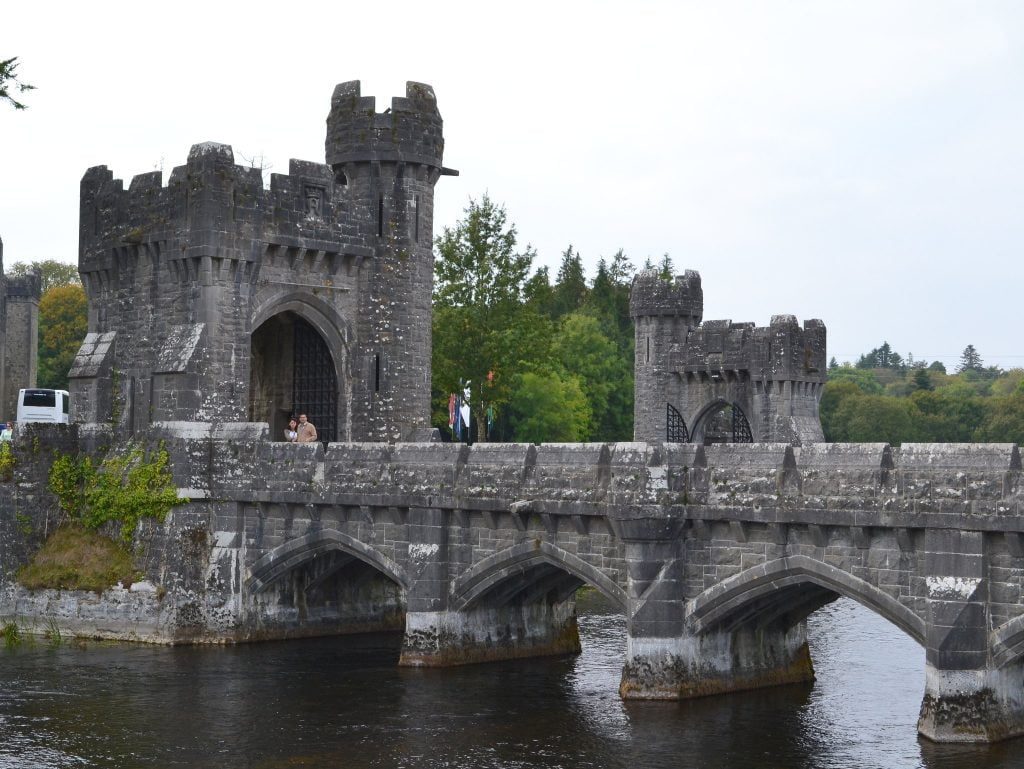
(859, 162)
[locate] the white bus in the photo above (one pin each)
(42, 405)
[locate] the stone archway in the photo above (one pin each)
(527, 572)
(293, 372)
(721, 422)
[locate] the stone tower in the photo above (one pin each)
(719, 381)
(213, 299)
(19, 336)
(388, 164)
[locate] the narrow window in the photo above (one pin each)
(648, 350)
(416, 229)
(376, 373)
(380, 216)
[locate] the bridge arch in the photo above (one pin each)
(282, 559)
(528, 569)
(781, 587)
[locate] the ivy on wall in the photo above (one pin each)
(122, 489)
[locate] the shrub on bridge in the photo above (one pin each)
(122, 490)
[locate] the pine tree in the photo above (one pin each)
(970, 360)
(9, 83)
(570, 285)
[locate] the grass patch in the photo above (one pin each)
(11, 635)
(75, 559)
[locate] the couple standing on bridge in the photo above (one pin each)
(302, 431)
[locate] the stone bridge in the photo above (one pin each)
(716, 554)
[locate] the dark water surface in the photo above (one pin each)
(343, 702)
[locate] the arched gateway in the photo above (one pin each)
(293, 372)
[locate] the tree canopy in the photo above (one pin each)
(52, 272)
(63, 322)
(10, 84)
(538, 361)
(482, 329)
(63, 318)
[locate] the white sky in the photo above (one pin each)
(860, 162)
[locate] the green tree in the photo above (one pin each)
(63, 322)
(51, 272)
(970, 360)
(588, 354)
(539, 293)
(1004, 419)
(877, 418)
(549, 407)
(571, 284)
(862, 378)
(608, 301)
(949, 414)
(922, 380)
(832, 396)
(483, 332)
(10, 84)
(881, 357)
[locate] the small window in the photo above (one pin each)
(380, 216)
(376, 373)
(64, 400)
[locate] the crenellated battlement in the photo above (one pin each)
(782, 350)
(689, 371)
(409, 131)
(653, 296)
(219, 297)
(221, 208)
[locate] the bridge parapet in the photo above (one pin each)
(917, 485)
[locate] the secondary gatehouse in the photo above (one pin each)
(218, 307)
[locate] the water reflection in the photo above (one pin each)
(343, 702)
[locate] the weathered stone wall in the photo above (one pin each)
(182, 277)
(19, 337)
(717, 554)
(774, 375)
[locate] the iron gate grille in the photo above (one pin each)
(675, 426)
(740, 427)
(314, 384)
(726, 424)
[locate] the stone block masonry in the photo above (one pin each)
(715, 554)
(215, 299)
(718, 381)
(19, 337)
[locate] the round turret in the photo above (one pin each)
(652, 295)
(410, 131)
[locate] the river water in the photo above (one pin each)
(343, 702)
